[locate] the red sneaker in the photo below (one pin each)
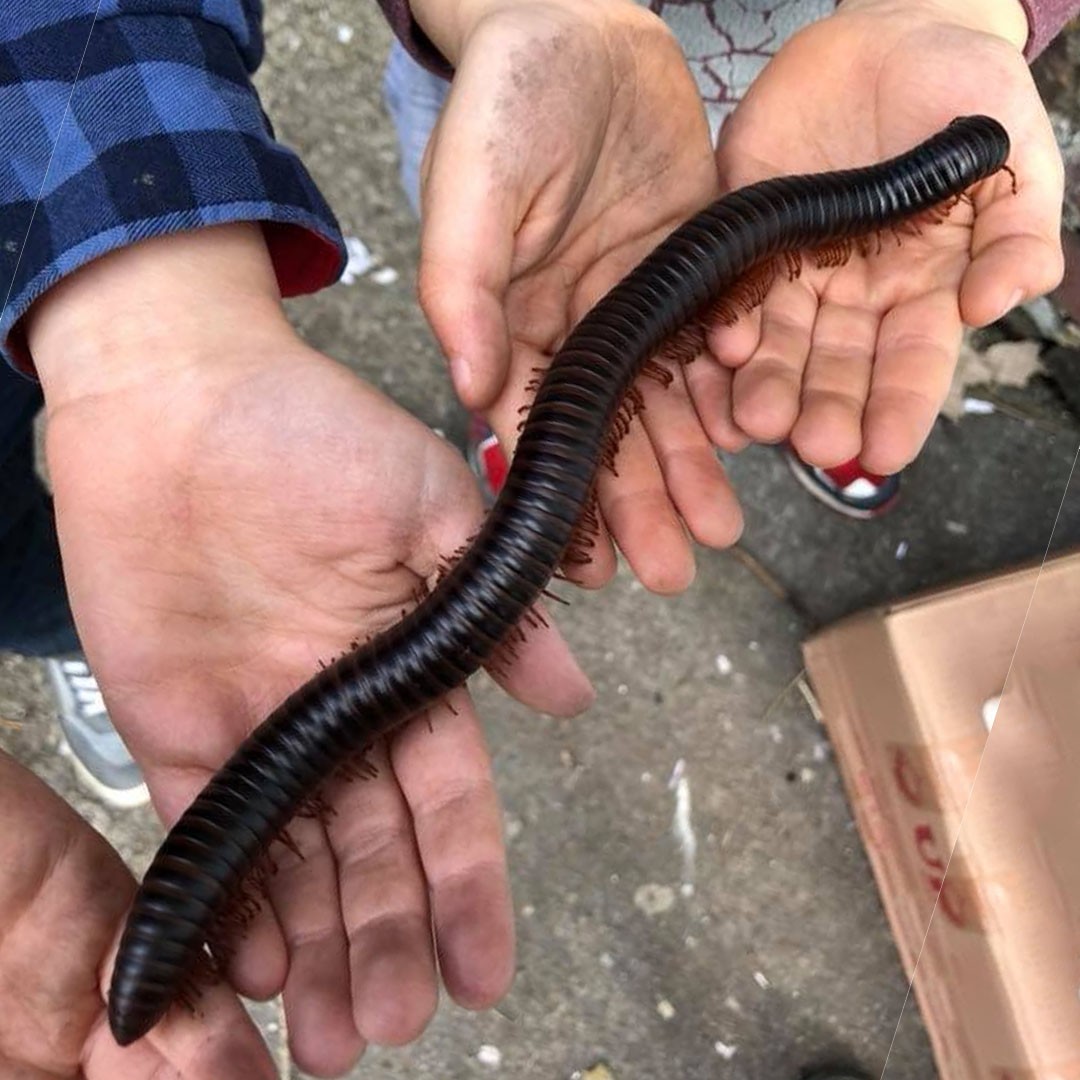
(486, 458)
(848, 489)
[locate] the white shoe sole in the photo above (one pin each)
(122, 799)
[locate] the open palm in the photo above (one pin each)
(63, 895)
(856, 360)
(572, 142)
(259, 514)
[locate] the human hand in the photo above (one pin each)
(63, 894)
(856, 361)
(232, 507)
(573, 140)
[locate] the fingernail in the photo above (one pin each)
(1013, 300)
(459, 372)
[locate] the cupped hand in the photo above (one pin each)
(234, 507)
(573, 140)
(63, 896)
(856, 361)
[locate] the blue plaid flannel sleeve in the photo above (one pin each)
(126, 119)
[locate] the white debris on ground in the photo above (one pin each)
(724, 665)
(344, 34)
(489, 1055)
(761, 980)
(902, 549)
(956, 528)
(726, 1050)
(1006, 363)
(665, 1009)
(974, 406)
(360, 260)
(385, 275)
(653, 899)
(682, 827)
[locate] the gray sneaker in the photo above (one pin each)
(101, 760)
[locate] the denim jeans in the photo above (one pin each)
(35, 618)
(414, 98)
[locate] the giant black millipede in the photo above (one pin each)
(580, 404)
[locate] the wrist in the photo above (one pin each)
(1003, 18)
(159, 305)
(450, 23)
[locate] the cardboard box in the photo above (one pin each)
(994, 923)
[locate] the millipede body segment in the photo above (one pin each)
(477, 606)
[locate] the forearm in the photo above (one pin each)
(438, 28)
(163, 133)
(1030, 25)
(154, 309)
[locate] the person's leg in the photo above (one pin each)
(414, 98)
(35, 617)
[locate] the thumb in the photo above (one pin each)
(1016, 251)
(466, 248)
(539, 670)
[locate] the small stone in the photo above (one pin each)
(599, 1071)
(725, 1050)
(761, 980)
(489, 1055)
(724, 665)
(665, 1009)
(344, 34)
(654, 899)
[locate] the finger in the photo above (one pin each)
(445, 772)
(466, 247)
(733, 345)
(384, 906)
(317, 996)
(523, 669)
(694, 478)
(218, 1039)
(767, 388)
(836, 385)
(710, 389)
(642, 519)
(257, 962)
(917, 349)
(1016, 238)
